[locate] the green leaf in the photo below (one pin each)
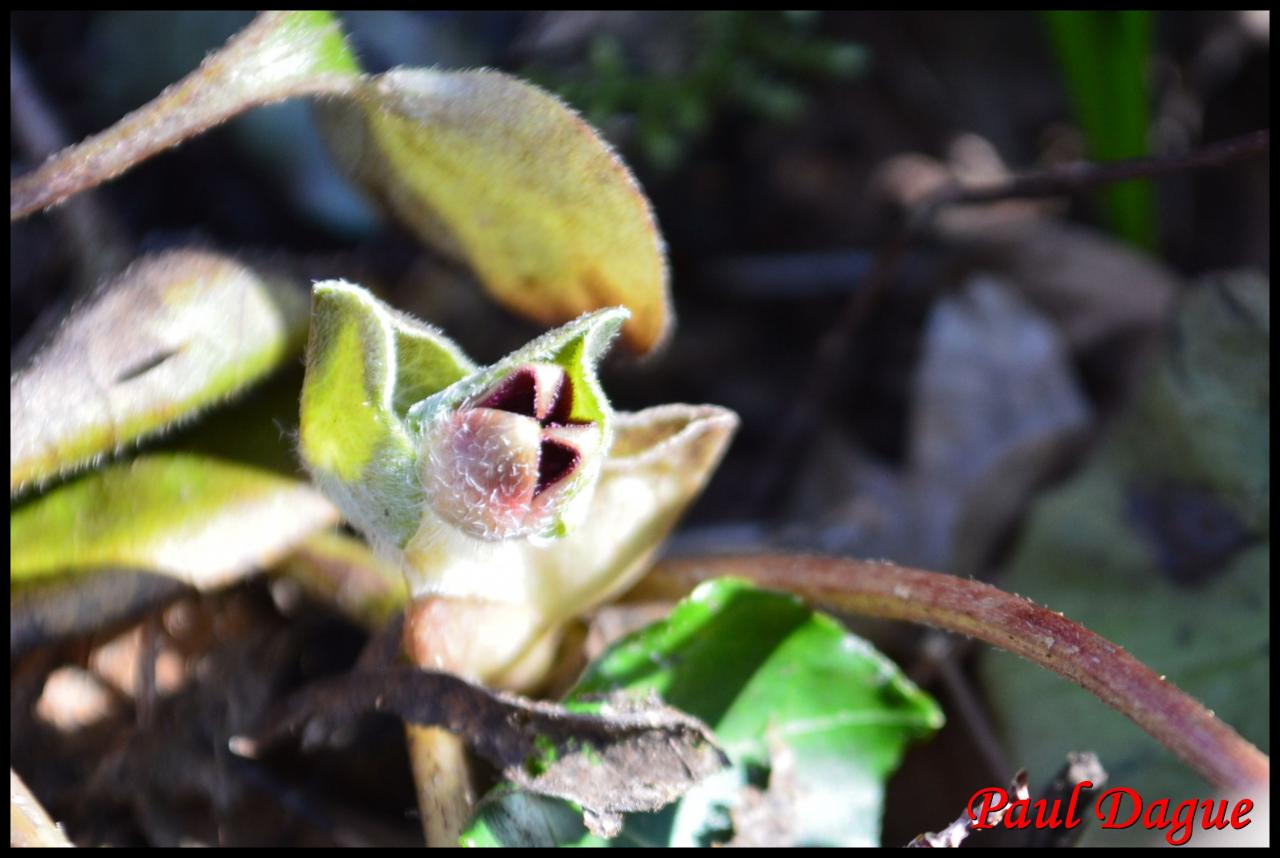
(502, 175)
(280, 55)
(201, 520)
(220, 500)
(1163, 541)
(1105, 57)
(172, 335)
(351, 434)
(788, 692)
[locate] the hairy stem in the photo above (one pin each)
(1180, 723)
(280, 55)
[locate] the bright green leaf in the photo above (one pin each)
(502, 175)
(174, 334)
(1105, 57)
(786, 690)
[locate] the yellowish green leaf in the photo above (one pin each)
(502, 175)
(175, 333)
(201, 520)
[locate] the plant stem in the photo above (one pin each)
(276, 57)
(29, 823)
(441, 769)
(877, 589)
(442, 779)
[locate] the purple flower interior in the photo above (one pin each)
(515, 394)
(555, 463)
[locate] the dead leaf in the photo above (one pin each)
(624, 757)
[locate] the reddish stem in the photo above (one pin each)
(266, 62)
(1013, 623)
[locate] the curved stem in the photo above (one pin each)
(967, 607)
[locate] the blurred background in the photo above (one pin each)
(1068, 397)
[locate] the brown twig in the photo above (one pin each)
(832, 350)
(1079, 767)
(1073, 178)
(95, 238)
(1177, 721)
(954, 834)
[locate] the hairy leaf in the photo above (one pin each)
(500, 174)
(198, 519)
(352, 434)
(173, 334)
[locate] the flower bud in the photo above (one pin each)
(504, 464)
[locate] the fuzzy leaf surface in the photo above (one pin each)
(500, 174)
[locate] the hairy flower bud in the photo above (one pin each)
(512, 496)
(503, 464)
